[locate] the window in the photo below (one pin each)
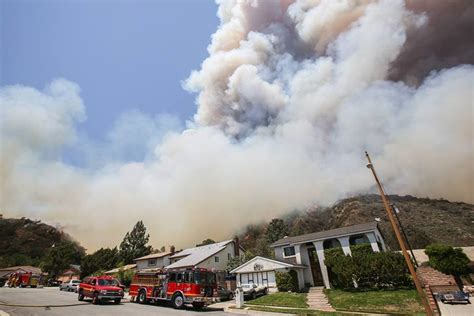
(180, 277)
(216, 259)
(289, 251)
(172, 277)
(229, 256)
(152, 262)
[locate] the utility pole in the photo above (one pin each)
(396, 211)
(408, 261)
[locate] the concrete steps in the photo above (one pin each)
(316, 299)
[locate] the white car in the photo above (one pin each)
(70, 286)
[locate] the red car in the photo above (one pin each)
(100, 288)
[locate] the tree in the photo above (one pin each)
(277, 229)
(447, 259)
(59, 257)
(103, 259)
(134, 244)
(207, 241)
(239, 260)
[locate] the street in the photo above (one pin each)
(52, 296)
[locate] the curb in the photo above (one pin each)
(2, 313)
(251, 312)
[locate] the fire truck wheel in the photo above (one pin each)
(95, 299)
(178, 301)
(141, 298)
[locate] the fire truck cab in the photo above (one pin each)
(194, 286)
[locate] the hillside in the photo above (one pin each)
(425, 221)
(24, 241)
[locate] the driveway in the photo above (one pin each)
(52, 296)
(456, 309)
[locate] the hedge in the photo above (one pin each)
(366, 268)
(287, 281)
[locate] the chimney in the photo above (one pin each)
(172, 250)
(236, 246)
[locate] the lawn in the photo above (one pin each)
(281, 299)
(394, 302)
(305, 312)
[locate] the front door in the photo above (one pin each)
(315, 267)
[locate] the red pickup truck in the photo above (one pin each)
(100, 288)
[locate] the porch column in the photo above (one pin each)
(373, 242)
(299, 272)
(324, 271)
(346, 246)
(298, 253)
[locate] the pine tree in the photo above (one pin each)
(134, 244)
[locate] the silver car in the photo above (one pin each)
(70, 286)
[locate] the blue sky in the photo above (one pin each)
(124, 54)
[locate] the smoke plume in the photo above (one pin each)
(290, 97)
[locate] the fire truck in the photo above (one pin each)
(194, 286)
(23, 279)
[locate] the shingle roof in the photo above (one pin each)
(326, 234)
(196, 255)
(124, 268)
(24, 268)
(154, 255)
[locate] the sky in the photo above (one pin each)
(200, 119)
(125, 54)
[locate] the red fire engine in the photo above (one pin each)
(194, 286)
(23, 279)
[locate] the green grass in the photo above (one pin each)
(281, 299)
(393, 302)
(305, 312)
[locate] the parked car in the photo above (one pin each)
(70, 286)
(224, 293)
(100, 288)
(251, 291)
(53, 282)
(458, 297)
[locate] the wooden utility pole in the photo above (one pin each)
(386, 203)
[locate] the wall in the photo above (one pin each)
(223, 259)
(160, 263)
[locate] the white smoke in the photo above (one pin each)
(290, 97)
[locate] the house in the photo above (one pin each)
(213, 256)
(262, 271)
(124, 268)
(154, 260)
(304, 254)
(72, 273)
(308, 250)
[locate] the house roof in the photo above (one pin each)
(8, 270)
(348, 230)
(196, 255)
(154, 255)
(271, 264)
(124, 268)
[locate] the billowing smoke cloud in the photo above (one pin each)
(291, 95)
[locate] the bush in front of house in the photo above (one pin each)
(447, 259)
(287, 281)
(366, 268)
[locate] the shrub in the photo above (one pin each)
(287, 281)
(367, 268)
(340, 268)
(125, 276)
(447, 259)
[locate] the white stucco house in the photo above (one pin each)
(262, 271)
(213, 256)
(305, 255)
(153, 261)
(308, 250)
